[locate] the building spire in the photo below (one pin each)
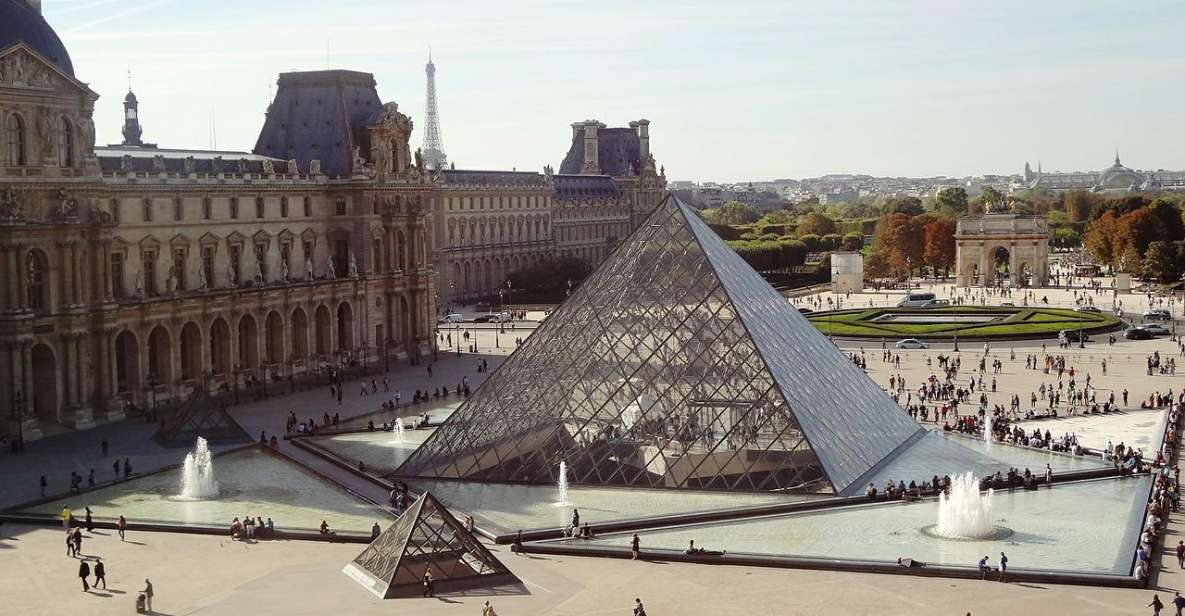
(1117, 164)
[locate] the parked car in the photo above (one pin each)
(1158, 314)
(804, 310)
(1154, 329)
(485, 318)
(912, 343)
(914, 300)
(937, 303)
(1138, 333)
(1072, 335)
(1088, 309)
(452, 318)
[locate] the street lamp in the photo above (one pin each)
(235, 372)
(153, 381)
(386, 355)
(365, 347)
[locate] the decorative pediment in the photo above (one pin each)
(376, 232)
(179, 241)
(309, 235)
(21, 66)
(235, 238)
(286, 236)
(208, 239)
(149, 243)
(262, 236)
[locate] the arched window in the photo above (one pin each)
(16, 140)
(65, 143)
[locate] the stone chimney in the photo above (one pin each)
(592, 151)
(643, 128)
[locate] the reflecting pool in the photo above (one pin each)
(252, 482)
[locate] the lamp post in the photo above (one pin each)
(501, 324)
(365, 348)
(292, 376)
(315, 367)
(386, 354)
(153, 381)
(18, 408)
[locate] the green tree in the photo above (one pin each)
(910, 206)
(812, 242)
(1162, 262)
(939, 248)
(953, 198)
(815, 223)
(899, 243)
(832, 241)
(1101, 239)
(1064, 238)
(735, 213)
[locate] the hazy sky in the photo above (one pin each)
(747, 89)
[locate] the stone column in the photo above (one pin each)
(7, 267)
(105, 271)
(69, 370)
(26, 364)
(20, 278)
(85, 369)
(79, 291)
(66, 274)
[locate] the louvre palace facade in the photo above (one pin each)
(134, 274)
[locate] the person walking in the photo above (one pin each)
(66, 515)
(116, 467)
(84, 571)
(429, 587)
(69, 545)
(575, 518)
(488, 610)
(77, 537)
(121, 525)
(1178, 602)
(984, 568)
(1156, 605)
(1181, 554)
(100, 573)
(103, 446)
(90, 479)
(639, 609)
(1003, 567)
(635, 547)
(147, 592)
(90, 522)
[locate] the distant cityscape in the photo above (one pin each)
(846, 188)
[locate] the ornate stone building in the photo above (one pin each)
(1114, 179)
(133, 273)
(1001, 248)
(490, 223)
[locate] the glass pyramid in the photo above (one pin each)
(427, 538)
(674, 365)
(202, 416)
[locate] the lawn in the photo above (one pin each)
(1020, 322)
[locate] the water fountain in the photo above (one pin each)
(399, 436)
(562, 486)
(987, 428)
(965, 512)
(197, 475)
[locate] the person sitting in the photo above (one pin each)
(586, 532)
(236, 528)
(325, 528)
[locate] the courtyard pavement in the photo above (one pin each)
(205, 575)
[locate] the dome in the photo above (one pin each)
(21, 22)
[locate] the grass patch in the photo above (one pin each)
(1030, 322)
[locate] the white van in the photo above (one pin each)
(915, 300)
(452, 318)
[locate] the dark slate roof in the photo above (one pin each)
(319, 115)
(131, 159)
(19, 22)
(584, 187)
(492, 178)
(618, 151)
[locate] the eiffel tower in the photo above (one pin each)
(434, 157)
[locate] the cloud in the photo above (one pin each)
(116, 15)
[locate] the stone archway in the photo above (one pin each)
(191, 351)
(273, 340)
(1001, 265)
(220, 347)
(345, 327)
(323, 333)
(160, 355)
(300, 334)
(44, 397)
(248, 342)
(127, 362)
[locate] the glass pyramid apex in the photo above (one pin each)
(674, 365)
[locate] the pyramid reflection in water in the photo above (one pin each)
(674, 365)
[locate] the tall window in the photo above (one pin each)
(234, 207)
(179, 268)
(286, 255)
(147, 210)
(283, 207)
(178, 214)
(208, 264)
(259, 207)
(149, 259)
(38, 273)
(16, 140)
(236, 255)
(65, 143)
(308, 206)
(207, 208)
(117, 287)
(340, 207)
(306, 248)
(115, 213)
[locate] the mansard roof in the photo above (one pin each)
(584, 186)
(618, 152)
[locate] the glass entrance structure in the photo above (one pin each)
(674, 365)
